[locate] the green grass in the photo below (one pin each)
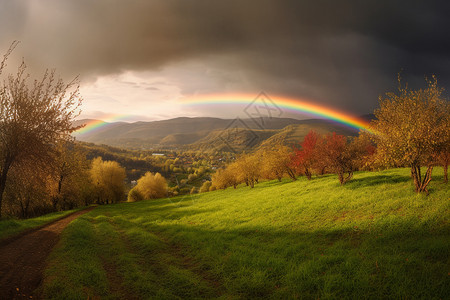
(11, 227)
(372, 238)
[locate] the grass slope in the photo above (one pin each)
(372, 238)
(11, 227)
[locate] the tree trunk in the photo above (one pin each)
(341, 177)
(3, 177)
(420, 185)
(2, 190)
(60, 181)
(308, 173)
(343, 180)
(349, 177)
(446, 172)
(291, 174)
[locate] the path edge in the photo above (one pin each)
(7, 240)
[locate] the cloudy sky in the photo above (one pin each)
(142, 58)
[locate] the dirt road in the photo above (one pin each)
(22, 261)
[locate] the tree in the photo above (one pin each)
(26, 194)
(149, 186)
(277, 162)
(248, 168)
(108, 178)
(224, 178)
(343, 157)
(306, 157)
(33, 118)
(334, 152)
(443, 158)
(69, 179)
(411, 126)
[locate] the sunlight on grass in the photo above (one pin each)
(372, 238)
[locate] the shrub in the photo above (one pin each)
(192, 177)
(152, 186)
(205, 187)
(134, 195)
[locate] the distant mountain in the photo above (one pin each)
(206, 134)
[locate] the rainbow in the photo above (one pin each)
(92, 125)
(289, 104)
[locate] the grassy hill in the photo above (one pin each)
(372, 238)
(294, 134)
(232, 140)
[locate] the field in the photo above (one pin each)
(372, 238)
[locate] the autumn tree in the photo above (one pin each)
(442, 152)
(248, 168)
(305, 158)
(343, 157)
(364, 152)
(227, 177)
(68, 182)
(34, 117)
(411, 126)
(277, 162)
(443, 158)
(149, 186)
(26, 194)
(108, 178)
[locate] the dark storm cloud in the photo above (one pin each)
(341, 52)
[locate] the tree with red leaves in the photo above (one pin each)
(305, 158)
(343, 157)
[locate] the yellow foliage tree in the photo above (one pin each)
(276, 163)
(224, 178)
(68, 182)
(410, 127)
(249, 169)
(108, 178)
(149, 186)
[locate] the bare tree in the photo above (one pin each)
(35, 115)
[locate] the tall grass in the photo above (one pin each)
(372, 238)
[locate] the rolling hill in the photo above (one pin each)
(203, 133)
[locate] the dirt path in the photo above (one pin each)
(22, 261)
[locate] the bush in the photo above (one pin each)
(134, 195)
(205, 187)
(192, 177)
(152, 186)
